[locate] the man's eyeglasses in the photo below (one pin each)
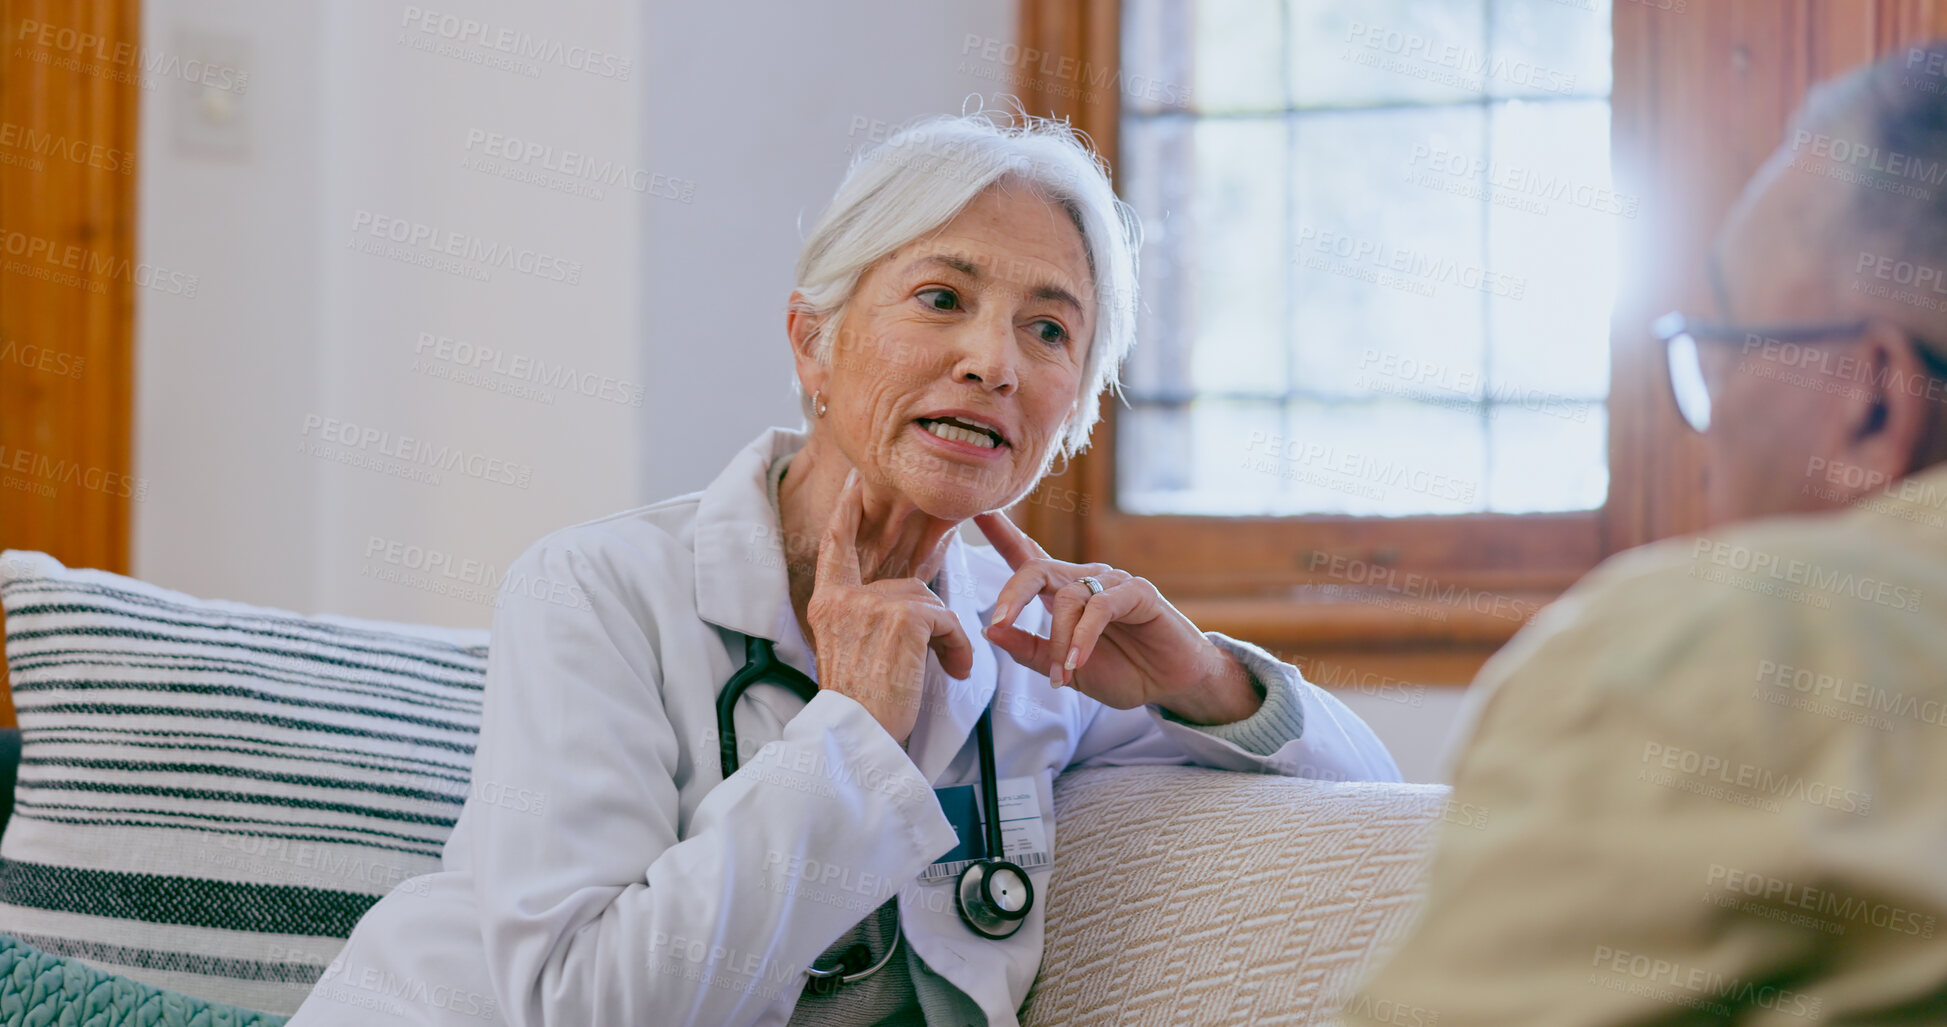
(1681, 334)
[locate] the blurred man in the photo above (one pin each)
(1715, 772)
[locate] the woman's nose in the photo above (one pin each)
(987, 357)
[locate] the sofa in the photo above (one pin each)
(210, 793)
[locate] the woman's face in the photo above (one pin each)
(959, 359)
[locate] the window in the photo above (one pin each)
(1380, 257)
(1683, 99)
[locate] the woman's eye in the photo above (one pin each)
(1051, 333)
(940, 299)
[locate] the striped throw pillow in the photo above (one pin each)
(211, 794)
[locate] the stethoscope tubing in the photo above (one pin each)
(761, 663)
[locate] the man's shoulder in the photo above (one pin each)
(1820, 567)
(1694, 627)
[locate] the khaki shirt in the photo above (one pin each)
(1711, 785)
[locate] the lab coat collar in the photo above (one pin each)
(742, 585)
(740, 575)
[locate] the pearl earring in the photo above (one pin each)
(818, 403)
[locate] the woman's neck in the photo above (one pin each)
(895, 537)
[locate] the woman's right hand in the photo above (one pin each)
(872, 637)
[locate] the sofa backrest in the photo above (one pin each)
(1186, 895)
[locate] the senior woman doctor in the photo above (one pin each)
(959, 307)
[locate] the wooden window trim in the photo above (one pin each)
(1701, 97)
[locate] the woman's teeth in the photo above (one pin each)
(958, 434)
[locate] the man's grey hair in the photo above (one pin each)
(1883, 131)
(923, 175)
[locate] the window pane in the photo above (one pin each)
(1547, 455)
(1386, 271)
(1239, 56)
(1154, 176)
(1382, 459)
(1379, 259)
(1354, 53)
(1197, 459)
(1547, 48)
(1152, 454)
(1237, 216)
(1554, 231)
(1213, 264)
(1156, 66)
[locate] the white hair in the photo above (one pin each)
(922, 176)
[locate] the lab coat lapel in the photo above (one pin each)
(741, 584)
(950, 707)
(942, 736)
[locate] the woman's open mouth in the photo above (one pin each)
(965, 434)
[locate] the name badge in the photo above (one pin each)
(1023, 837)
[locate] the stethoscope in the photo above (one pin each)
(994, 895)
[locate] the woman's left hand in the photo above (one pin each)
(1124, 646)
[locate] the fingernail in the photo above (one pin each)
(851, 476)
(1074, 657)
(1000, 615)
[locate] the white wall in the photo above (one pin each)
(734, 123)
(228, 511)
(1416, 723)
(763, 110)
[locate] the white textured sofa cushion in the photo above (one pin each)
(1191, 896)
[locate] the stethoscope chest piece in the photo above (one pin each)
(995, 896)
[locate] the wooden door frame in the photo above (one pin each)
(70, 97)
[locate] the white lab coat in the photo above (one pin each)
(603, 872)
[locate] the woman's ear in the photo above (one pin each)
(802, 326)
(1890, 405)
